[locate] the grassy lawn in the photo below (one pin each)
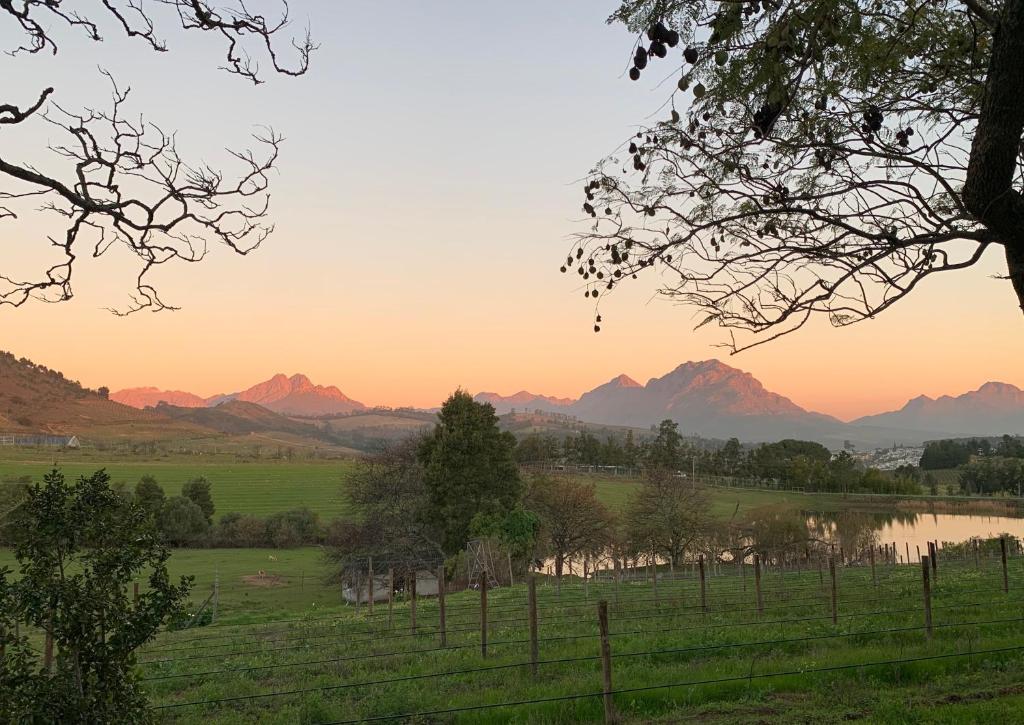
(259, 488)
(336, 665)
(616, 495)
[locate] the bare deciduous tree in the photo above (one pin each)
(123, 181)
(573, 521)
(826, 157)
(668, 515)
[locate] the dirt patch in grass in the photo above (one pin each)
(266, 580)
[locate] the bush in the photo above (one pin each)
(181, 521)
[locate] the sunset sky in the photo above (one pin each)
(424, 201)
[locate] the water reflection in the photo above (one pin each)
(910, 532)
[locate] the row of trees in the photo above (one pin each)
(993, 475)
(957, 452)
(805, 464)
(424, 499)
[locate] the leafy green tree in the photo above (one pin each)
(293, 528)
(468, 468)
(77, 551)
(945, 454)
(664, 450)
(536, 448)
(197, 490)
(181, 521)
(1010, 447)
(817, 159)
(149, 495)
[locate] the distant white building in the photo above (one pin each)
(51, 441)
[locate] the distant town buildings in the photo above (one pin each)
(889, 459)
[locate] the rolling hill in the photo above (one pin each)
(36, 399)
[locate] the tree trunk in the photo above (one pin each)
(988, 191)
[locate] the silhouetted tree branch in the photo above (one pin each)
(826, 157)
(125, 183)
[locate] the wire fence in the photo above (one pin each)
(372, 652)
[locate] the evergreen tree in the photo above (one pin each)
(468, 467)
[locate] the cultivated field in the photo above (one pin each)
(670, 660)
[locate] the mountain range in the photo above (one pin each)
(706, 398)
(713, 400)
(295, 395)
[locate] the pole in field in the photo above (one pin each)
(440, 603)
(369, 567)
(483, 613)
(412, 602)
(391, 592)
(606, 663)
(757, 583)
(927, 587)
(1002, 549)
(532, 604)
(835, 602)
(703, 588)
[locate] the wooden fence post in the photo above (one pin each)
(835, 603)
(926, 583)
(1006, 579)
(532, 604)
(369, 566)
(703, 589)
(440, 604)
(511, 577)
(757, 583)
(483, 613)
(871, 556)
(412, 602)
(977, 560)
(391, 592)
(907, 543)
(606, 663)
(586, 575)
(654, 578)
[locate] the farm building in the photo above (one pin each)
(426, 586)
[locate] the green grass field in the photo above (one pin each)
(264, 488)
(730, 665)
(259, 488)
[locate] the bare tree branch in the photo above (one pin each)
(125, 184)
(822, 164)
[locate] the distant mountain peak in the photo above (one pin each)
(994, 408)
(624, 381)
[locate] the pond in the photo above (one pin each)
(912, 531)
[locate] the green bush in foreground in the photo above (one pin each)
(78, 547)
